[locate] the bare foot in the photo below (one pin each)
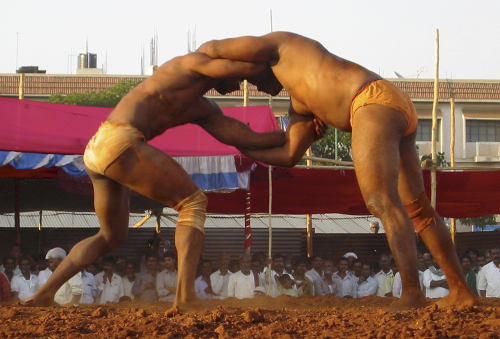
(408, 302)
(172, 311)
(463, 298)
(40, 300)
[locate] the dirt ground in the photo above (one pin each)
(283, 317)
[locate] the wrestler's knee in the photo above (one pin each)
(192, 211)
(379, 204)
(421, 213)
(112, 239)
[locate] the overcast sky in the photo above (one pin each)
(384, 36)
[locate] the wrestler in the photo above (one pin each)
(383, 122)
(118, 159)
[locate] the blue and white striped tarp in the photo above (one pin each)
(210, 173)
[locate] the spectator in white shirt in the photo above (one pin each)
(9, 264)
(384, 274)
(220, 278)
(436, 285)
(129, 279)
(328, 269)
(345, 283)
(304, 285)
(489, 280)
(144, 288)
(278, 269)
(242, 283)
(351, 257)
(315, 274)
(54, 258)
(15, 253)
(70, 292)
(109, 284)
(286, 286)
(202, 284)
(366, 285)
(357, 265)
(24, 285)
(89, 289)
(397, 287)
(166, 280)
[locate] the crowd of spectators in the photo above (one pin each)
(151, 278)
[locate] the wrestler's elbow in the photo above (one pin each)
(208, 48)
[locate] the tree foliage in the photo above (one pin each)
(107, 98)
(481, 222)
(441, 160)
(325, 147)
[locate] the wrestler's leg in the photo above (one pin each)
(436, 236)
(157, 176)
(111, 201)
(376, 135)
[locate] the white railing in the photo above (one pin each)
(483, 151)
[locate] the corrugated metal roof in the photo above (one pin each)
(322, 223)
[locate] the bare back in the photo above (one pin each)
(172, 96)
(318, 81)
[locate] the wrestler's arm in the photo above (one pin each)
(246, 48)
(222, 68)
(301, 133)
(233, 132)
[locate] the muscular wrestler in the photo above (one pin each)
(118, 159)
(383, 122)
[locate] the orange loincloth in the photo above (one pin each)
(384, 92)
(109, 142)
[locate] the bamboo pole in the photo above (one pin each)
(453, 226)
(248, 201)
(309, 228)
(17, 190)
(434, 126)
(270, 243)
(21, 86)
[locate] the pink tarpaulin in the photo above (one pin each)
(40, 127)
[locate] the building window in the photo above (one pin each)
(424, 129)
(482, 130)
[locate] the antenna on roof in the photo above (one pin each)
(399, 75)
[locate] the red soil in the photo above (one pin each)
(283, 317)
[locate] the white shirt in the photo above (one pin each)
(43, 276)
(320, 286)
(490, 280)
(127, 287)
(381, 277)
(435, 292)
(168, 278)
(110, 291)
(89, 288)
(240, 285)
(25, 288)
(199, 287)
(70, 288)
(397, 288)
(344, 286)
(220, 283)
(367, 287)
(16, 271)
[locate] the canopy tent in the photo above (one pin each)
(56, 130)
(37, 134)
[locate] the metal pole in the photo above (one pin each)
(270, 243)
(309, 228)
(17, 210)
(434, 126)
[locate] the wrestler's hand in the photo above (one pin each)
(319, 128)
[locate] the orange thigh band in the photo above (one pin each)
(421, 212)
(385, 93)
